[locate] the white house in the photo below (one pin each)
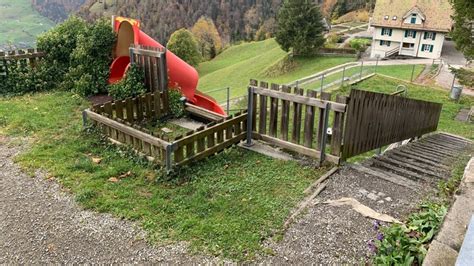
(410, 27)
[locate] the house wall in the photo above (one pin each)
(398, 38)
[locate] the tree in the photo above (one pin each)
(463, 33)
(463, 36)
(183, 44)
(300, 27)
(207, 36)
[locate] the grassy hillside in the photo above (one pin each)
(20, 23)
(238, 64)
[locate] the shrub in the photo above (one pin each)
(359, 44)
(130, 86)
(183, 44)
(91, 58)
(58, 44)
(77, 56)
(175, 103)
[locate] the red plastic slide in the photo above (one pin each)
(180, 74)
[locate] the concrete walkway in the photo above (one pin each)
(444, 249)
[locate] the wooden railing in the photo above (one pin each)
(135, 110)
(194, 146)
(295, 127)
(375, 120)
(209, 140)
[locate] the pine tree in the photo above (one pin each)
(183, 44)
(463, 33)
(300, 27)
(463, 36)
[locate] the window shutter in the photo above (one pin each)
(424, 35)
(414, 34)
(434, 36)
(390, 32)
(406, 33)
(381, 43)
(431, 48)
(423, 47)
(388, 43)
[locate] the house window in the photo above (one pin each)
(386, 17)
(407, 45)
(410, 33)
(394, 18)
(413, 19)
(385, 43)
(427, 48)
(430, 35)
(387, 32)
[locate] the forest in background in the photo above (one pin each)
(236, 20)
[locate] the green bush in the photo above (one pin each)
(359, 44)
(77, 58)
(91, 58)
(130, 86)
(58, 44)
(175, 103)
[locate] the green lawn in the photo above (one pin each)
(397, 71)
(226, 205)
(238, 64)
(19, 22)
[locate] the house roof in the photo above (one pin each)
(437, 14)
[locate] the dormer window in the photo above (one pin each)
(386, 17)
(413, 18)
(394, 18)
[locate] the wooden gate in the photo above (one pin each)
(152, 61)
(295, 122)
(375, 120)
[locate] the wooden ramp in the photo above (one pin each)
(426, 161)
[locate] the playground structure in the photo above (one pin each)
(180, 74)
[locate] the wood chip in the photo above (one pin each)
(113, 180)
(96, 160)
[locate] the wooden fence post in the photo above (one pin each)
(322, 157)
(250, 114)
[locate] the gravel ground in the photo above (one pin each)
(339, 235)
(40, 223)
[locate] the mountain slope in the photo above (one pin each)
(57, 10)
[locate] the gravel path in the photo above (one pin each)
(330, 235)
(40, 223)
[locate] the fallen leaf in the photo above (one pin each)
(127, 174)
(96, 160)
(226, 166)
(113, 179)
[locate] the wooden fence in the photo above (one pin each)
(29, 56)
(302, 124)
(209, 140)
(375, 120)
(194, 146)
(135, 110)
(152, 61)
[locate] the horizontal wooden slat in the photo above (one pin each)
(203, 113)
(126, 129)
(210, 130)
(214, 149)
(295, 147)
(338, 107)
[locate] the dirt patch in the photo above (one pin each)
(100, 99)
